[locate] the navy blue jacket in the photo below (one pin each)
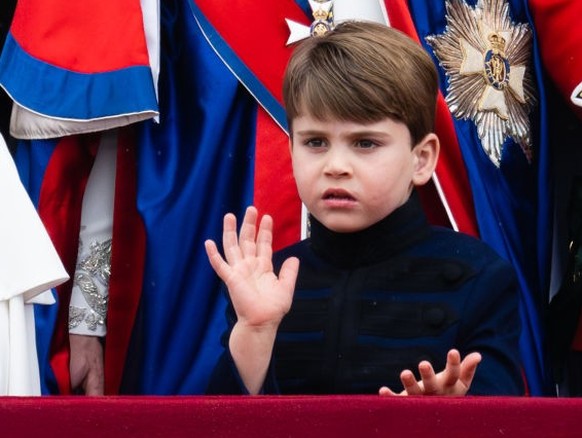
(369, 304)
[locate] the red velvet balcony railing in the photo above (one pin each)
(290, 416)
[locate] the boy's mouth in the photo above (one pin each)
(337, 195)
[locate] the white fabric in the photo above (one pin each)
(577, 95)
(96, 220)
(27, 124)
(29, 267)
(370, 10)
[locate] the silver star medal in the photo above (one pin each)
(485, 56)
(322, 13)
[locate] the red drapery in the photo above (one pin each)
(290, 416)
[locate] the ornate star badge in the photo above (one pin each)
(322, 12)
(485, 56)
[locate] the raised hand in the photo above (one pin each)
(454, 380)
(260, 298)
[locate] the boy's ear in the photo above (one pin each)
(426, 154)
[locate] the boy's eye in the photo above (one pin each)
(315, 143)
(366, 144)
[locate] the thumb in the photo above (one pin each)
(288, 273)
(94, 383)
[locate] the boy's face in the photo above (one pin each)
(352, 175)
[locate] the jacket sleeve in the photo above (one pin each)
(491, 326)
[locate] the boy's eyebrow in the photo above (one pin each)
(369, 132)
(355, 133)
(310, 132)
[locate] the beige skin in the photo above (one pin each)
(349, 176)
(86, 364)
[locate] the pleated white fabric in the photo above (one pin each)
(29, 268)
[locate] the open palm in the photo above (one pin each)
(260, 298)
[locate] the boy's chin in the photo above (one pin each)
(344, 225)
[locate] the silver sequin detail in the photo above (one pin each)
(98, 262)
(95, 267)
(76, 316)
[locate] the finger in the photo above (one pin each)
(384, 391)
(77, 375)
(468, 368)
(265, 238)
(428, 377)
(248, 232)
(221, 268)
(94, 383)
(232, 250)
(77, 365)
(452, 369)
(288, 274)
(411, 386)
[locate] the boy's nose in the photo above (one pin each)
(337, 164)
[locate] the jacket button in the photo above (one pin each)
(434, 316)
(452, 272)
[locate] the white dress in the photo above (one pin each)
(29, 268)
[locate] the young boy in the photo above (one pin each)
(374, 292)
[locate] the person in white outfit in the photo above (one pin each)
(29, 268)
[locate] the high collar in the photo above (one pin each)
(399, 230)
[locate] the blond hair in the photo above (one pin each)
(363, 72)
